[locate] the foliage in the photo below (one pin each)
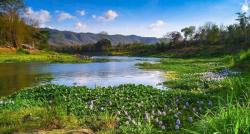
(14, 30)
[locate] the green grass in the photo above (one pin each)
(45, 56)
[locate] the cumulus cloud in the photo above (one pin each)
(108, 16)
(81, 12)
(245, 7)
(157, 25)
(80, 26)
(64, 16)
(41, 16)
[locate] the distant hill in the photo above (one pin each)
(70, 38)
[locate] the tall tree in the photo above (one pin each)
(188, 32)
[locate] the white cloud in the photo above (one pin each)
(81, 12)
(64, 16)
(157, 25)
(41, 16)
(80, 26)
(108, 16)
(245, 7)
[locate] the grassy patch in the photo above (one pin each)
(44, 56)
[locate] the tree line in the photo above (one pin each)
(16, 30)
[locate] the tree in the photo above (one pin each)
(188, 32)
(11, 6)
(14, 26)
(174, 36)
(103, 45)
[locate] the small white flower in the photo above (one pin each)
(127, 122)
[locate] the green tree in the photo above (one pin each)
(188, 32)
(103, 45)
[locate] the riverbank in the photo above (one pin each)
(194, 104)
(11, 55)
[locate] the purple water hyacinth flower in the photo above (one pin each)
(210, 103)
(178, 122)
(164, 113)
(190, 119)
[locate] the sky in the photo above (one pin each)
(149, 18)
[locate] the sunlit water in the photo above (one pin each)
(15, 76)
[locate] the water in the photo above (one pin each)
(14, 76)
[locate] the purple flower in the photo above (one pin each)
(178, 122)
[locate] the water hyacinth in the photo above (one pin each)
(210, 103)
(178, 122)
(147, 116)
(190, 119)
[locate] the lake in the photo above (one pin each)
(120, 70)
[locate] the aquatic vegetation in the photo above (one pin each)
(130, 105)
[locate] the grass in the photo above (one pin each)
(21, 56)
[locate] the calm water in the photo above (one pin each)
(14, 76)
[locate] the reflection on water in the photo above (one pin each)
(16, 76)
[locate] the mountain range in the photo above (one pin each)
(71, 38)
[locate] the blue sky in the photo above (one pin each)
(139, 17)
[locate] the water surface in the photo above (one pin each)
(15, 76)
